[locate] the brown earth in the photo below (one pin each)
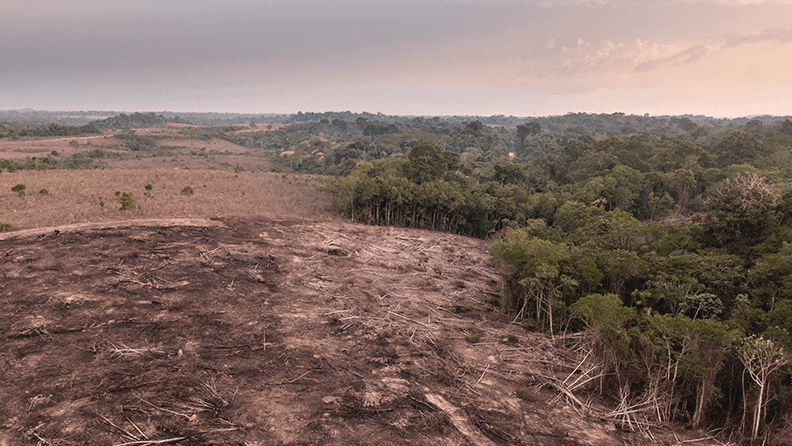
(82, 196)
(256, 332)
(248, 314)
(187, 152)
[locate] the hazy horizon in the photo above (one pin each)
(723, 59)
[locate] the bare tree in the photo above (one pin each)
(761, 358)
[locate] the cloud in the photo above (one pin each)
(768, 35)
(551, 43)
(690, 55)
(639, 3)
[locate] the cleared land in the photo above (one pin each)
(82, 196)
(260, 319)
(176, 150)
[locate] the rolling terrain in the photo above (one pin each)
(246, 313)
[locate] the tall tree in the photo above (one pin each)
(739, 209)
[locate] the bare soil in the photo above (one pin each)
(241, 331)
(247, 314)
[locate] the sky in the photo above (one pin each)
(720, 58)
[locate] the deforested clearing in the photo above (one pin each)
(246, 313)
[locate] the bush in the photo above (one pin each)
(44, 191)
(20, 189)
(187, 190)
(6, 227)
(126, 199)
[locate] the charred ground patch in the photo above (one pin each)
(268, 332)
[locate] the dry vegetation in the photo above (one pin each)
(183, 151)
(89, 196)
(262, 319)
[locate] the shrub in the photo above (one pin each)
(126, 199)
(473, 338)
(526, 396)
(187, 190)
(44, 191)
(20, 189)
(6, 227)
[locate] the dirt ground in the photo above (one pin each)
(214, 153)
(257, 332)
(85, 196)
(246, 313)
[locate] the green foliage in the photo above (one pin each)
(739, 210)
(49, 130)
(473, 338)
(187, 190)
(738, 148)
(526, 396)
(44, 191)
(77, 161)
(137, 143)
(6, 226)
(20, 189)
(600, 311)
(126, 199)
(538, 273)
(135, 120)
(426, 163)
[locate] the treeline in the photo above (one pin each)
(646, 179)
(326, 143)
(672, 258)
(84, 160)
(15, 130)
(137, 121)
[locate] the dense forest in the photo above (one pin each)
(660, 248)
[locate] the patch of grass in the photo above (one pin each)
(526, 396)
(6, 227)
(187, 190)
(473, 338)
(44, 191)
(459, 309)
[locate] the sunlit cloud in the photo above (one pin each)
(768, 35)
(690, 55)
